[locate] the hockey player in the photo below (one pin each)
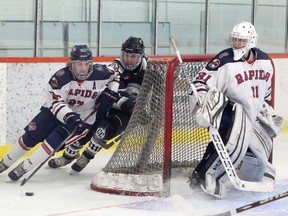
(71, 96)
(235, 89)
(131, 66)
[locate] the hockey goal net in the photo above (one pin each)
(161, 136)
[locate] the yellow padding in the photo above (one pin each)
(5, 148)
(286, 127)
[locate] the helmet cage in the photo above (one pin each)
(81, 72)
(130, 60)
(81, 62)
(242, 38)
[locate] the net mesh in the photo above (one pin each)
(139, 158)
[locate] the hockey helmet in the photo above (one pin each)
(242, 38)
(132, 52)
(81, 59)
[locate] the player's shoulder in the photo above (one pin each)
(116, 65)
(222, 58)
(101, 72)
(61, 78)
(261, 54)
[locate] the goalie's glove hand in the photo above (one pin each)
(270, 121)
(74, 122)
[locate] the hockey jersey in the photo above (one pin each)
(246, 83)
(64, 93)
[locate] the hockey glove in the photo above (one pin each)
(270, 121)
(74, 122)
(211, 110)
(105, 101)
(132, 91)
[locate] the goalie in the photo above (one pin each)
(234, 89)
(131, 67)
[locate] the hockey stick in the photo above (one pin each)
(221, 149)
(25, 180)
(112, 141)
(253, 205)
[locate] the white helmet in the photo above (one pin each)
(242, 38)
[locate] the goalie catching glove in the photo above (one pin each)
(211, 109)
(272, 123)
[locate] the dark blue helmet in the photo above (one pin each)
(81, 62)
(81, 53)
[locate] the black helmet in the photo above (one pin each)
(80, 52)
(133, 45)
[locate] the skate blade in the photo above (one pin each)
(73, 172)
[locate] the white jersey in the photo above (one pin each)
(248, 84)
(64, 93)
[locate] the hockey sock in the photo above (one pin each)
(16, 152)
(38, 156)
(72, 150)
(92, 150)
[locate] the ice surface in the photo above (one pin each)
(56, 193)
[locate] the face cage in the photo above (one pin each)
(130, 67)
(239, 51)
(82, 76)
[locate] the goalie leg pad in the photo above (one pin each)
(237, 143)
(211, 109)
(255, 162)
(214, 187)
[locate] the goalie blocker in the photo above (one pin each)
(247, 144)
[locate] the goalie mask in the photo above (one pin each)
(81, 62)
(242, 38)
(132, 52)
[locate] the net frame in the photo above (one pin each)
(106, 181)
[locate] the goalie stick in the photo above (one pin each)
(221, 149)
(253, 204)
(25, 180)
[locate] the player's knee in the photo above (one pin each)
(31, 138)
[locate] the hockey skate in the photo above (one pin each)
(59, 162)
(195, 182)
(3, 166)
(81, 163)
(17, 172)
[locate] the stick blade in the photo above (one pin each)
(23, 181)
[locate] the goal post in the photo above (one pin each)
(161, 136)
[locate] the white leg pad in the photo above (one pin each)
(213, 187)
(252, 169)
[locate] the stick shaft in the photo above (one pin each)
(253, 204)
(25, 180)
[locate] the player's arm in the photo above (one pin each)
(57, 94)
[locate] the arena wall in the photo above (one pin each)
(23, 81)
